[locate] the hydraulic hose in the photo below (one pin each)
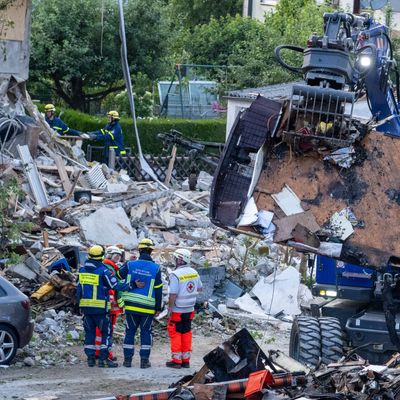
(298, 49)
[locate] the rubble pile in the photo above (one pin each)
(54, 336)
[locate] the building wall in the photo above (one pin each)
(261, 7)
(234, 108)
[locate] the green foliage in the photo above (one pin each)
(208, 130)
(144, 104)
(196, 12)
(80, 55)
(10, 228)
(247, 45)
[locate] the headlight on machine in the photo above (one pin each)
(328, 293)
(365, 61)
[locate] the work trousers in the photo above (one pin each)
(133, 321)
(180, 334)
(113, 321)
(90, 323)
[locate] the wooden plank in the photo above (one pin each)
(67, 185)
(170, 166)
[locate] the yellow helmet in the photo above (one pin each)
(146, 244)
(49, 107)
(113, 114)
(96, 252)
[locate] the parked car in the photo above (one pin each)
(16, 324)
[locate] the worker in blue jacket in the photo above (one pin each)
(57, 124)
(142, 302)
(94, 283)
(111, 135)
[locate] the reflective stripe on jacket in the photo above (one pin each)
(94, 282)
(112, 137)
(142, 300)
(114, 307)
(188, 285)
(61, 127)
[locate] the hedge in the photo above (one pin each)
(207, 130)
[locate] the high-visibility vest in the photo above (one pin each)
(189, 283)
(94, 295)
(141, 300)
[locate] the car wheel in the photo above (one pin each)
(305, 341)
(8, 344)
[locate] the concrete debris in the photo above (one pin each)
(108, 225)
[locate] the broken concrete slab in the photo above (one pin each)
(108, 226)
(55, 222)
(286, 283)
(22, 271)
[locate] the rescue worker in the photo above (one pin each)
(94, 282)
(112, 257)
(57, 124)
(184, 285)
(111, 135)
(142, 302)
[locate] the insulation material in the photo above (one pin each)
(288, 201)
(278, 292)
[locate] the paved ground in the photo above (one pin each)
(75, 382)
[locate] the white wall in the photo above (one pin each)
(260, 8)
(234, 108)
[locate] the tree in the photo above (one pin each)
(197, 12)
(247, 45)
(76, 46)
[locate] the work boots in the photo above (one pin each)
(127, 362)
(185, 364)
(145, 363)
(171, 364)
(107, 364)
(91, 361)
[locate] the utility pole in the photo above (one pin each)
(356, 7)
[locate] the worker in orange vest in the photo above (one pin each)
(112, 257)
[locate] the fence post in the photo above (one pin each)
(111, 158)
(170, 166)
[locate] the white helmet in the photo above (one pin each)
(114, 250)
(182, 254)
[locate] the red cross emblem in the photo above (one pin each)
(190, 287)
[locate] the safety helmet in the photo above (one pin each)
(114, 250)
(182, 254)
(49, 107)
(146, 244)
(113, 114)
(96, 252)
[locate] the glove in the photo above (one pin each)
(84, 136)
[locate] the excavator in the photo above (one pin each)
(327, 175)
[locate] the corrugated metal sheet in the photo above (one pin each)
(35, 181)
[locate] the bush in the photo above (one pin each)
(208, 130)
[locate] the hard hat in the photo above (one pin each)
(113, 114)
(146, 244)
(114, 250)
(182, 254)
(49, 107)
(96, 252)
